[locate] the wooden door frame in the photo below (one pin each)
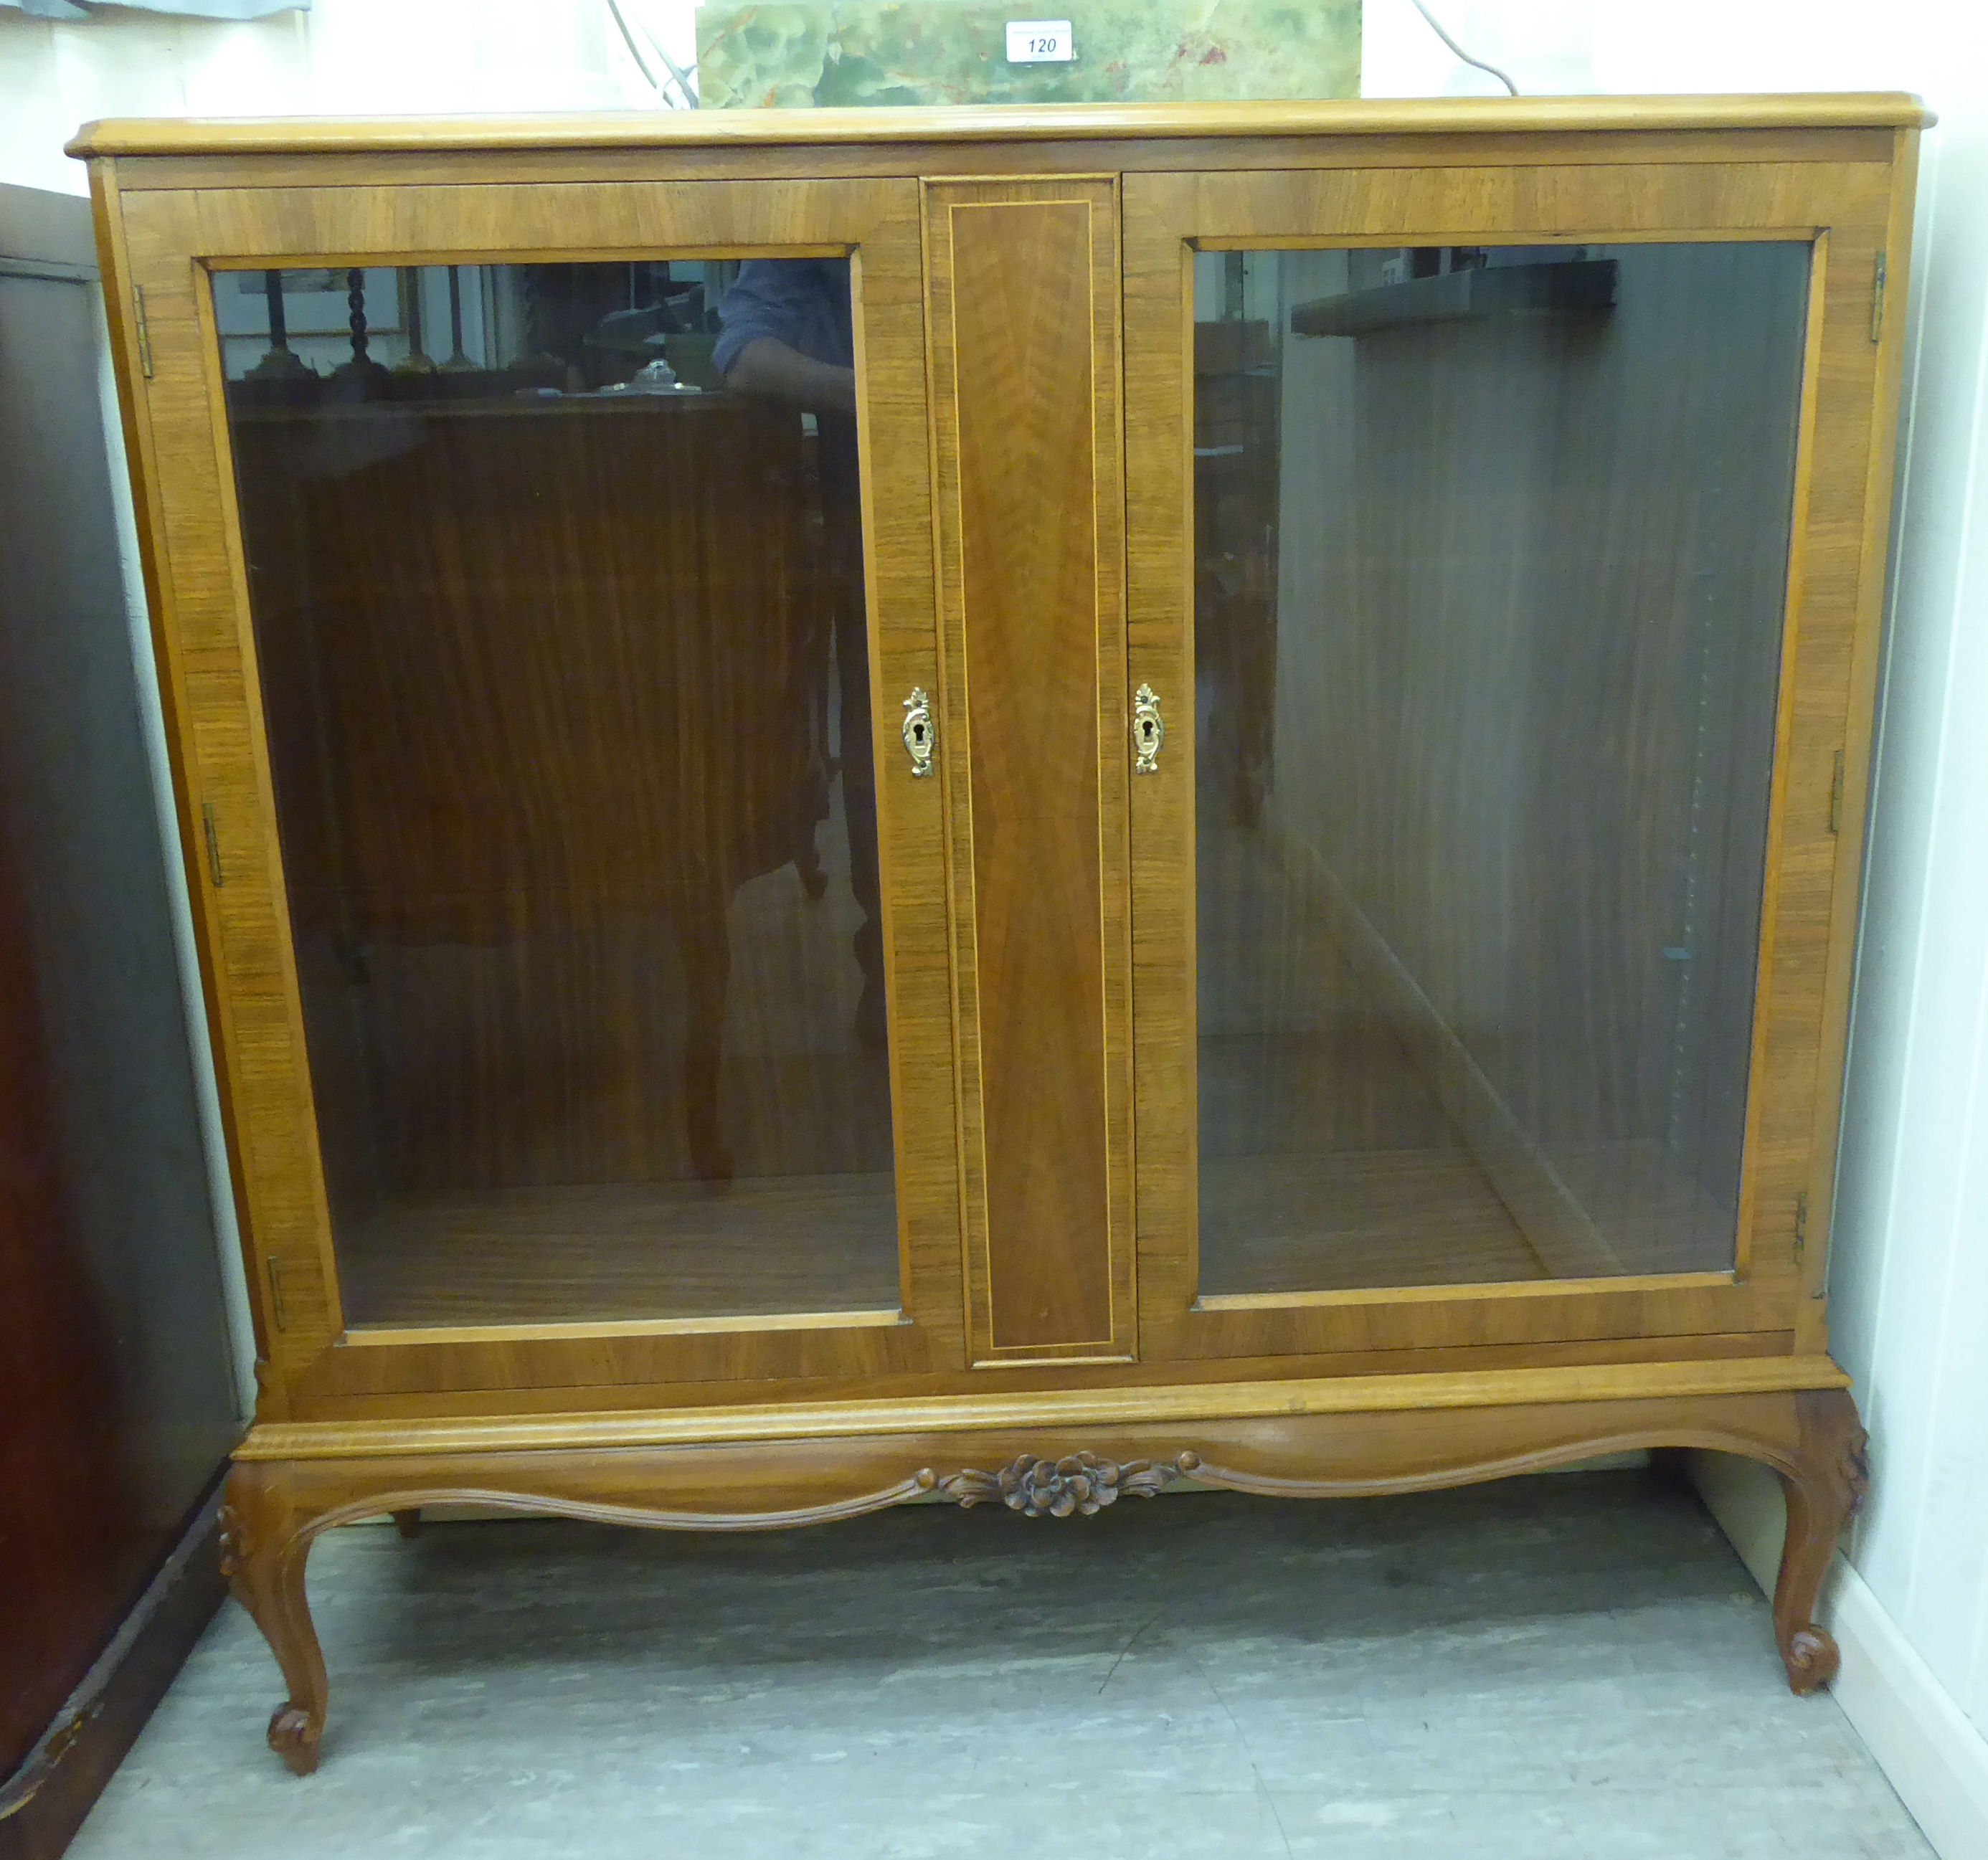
(166, 242)
(1854, 213)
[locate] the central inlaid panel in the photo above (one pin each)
(1028, 418)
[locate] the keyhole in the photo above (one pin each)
(918, 734)
(1146, 731)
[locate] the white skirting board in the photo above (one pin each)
(1928, 1748)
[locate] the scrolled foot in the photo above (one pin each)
(265, 1541)
(293, 1737)
(1811, 1658)
(1823, 1486)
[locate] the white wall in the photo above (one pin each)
(1910, 1268)
(1909, 1277)
(344, 58)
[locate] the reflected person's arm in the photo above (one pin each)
(769, 369)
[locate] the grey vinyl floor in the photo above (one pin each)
(1572, 1667)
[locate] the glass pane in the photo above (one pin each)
(1490, 553)
(557, 578)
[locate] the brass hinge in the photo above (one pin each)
(213, 843)
(278, 1315)
(143, 334)
(1877, 299)
(1801, 1223)
(1836, 794)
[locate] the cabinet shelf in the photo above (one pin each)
(617, 1252)
(1585, 287)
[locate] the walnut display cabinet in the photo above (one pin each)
(1016, 804)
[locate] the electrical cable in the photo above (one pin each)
(685, 80)
(1435, 26)
(628, 39)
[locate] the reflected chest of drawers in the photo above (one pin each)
(1018, 804)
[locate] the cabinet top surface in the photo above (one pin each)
(996, 123)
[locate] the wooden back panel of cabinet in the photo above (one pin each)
(469, 594)
(533, 736)
(1837, 172)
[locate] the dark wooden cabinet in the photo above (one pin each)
(1248, 872)
(118, 1403)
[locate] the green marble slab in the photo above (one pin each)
(826, 53)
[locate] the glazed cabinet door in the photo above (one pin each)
(1502, 548)
(545, 576)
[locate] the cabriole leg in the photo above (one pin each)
(1823, 1492)
(264, 1543)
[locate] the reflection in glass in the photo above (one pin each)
(556, 573)
(1490, 547)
